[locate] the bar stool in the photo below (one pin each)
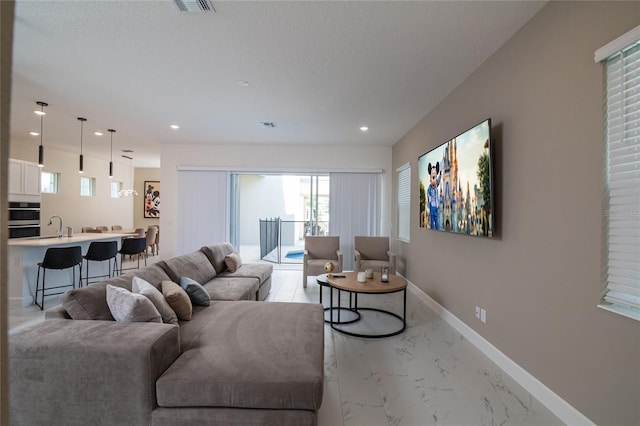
(58, 258)
(131, 247)
(99, 251)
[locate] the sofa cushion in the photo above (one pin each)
(156, 297)
(232, 288)
(250, 370)
(261, 271)
(126, 306)
(197, 293)
(177, 299)
(216, 254)
(233, 262)
(90, 303)
(194, 265)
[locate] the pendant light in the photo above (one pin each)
(41, 113)
(81, 168)
(131, 191)
(111, 158)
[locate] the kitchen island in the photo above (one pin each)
(26, 253)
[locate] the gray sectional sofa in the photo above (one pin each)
(239, 361)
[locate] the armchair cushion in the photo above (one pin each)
(322, 247)
(372, 248)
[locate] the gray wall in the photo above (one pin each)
(540, 280)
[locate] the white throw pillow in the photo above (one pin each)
(147, 289)
(130, 307)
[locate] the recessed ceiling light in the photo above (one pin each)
(243, 83)
(364, 128)
(40, 112)
(175, 126)
(34, 133)
(98, 133)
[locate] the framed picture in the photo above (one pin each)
(151, 199)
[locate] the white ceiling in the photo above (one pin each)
(319, 70)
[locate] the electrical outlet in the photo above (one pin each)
(483, 315)
(478, 312)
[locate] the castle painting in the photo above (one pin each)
(455, 184)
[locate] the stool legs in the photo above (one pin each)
(44, 278)
(112, 271)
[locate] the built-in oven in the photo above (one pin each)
(24, 219)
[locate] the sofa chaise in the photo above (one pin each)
(238, 361)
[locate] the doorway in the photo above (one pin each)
(271, 213)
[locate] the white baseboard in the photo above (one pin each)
(558, 406)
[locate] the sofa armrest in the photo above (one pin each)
(67, 372)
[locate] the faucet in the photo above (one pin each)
(60, 232)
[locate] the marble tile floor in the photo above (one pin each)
(427, 375)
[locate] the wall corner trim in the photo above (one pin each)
(558, 406)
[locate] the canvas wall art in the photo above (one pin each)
(151, 199)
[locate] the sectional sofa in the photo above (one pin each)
(238, 361)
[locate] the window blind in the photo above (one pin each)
(622, 115)
(354, 209)
(404, 202)
(203, 205)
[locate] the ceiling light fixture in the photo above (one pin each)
(34, 133)
(175, 126)
(98, 133)
(111, 158)
(243, 83)
(41, 113)
(364, 128)
(81, 168)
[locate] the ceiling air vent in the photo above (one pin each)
(194, 5)
(267, 124)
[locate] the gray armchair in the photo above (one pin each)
(317, 252)
(373, 252)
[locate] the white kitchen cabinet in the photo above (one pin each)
(24, 178)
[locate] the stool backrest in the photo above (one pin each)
(62, 257)
(116, 227)
(102, 250)
(133, 245)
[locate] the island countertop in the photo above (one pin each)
(24, 254)
(52, 240)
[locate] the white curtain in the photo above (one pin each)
(354, 210)
(202, 209)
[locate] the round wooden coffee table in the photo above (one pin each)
(347, 281)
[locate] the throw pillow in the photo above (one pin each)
(233, 262)
(130, 307)
(143, 287)
(198, 294)
(178, 299)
